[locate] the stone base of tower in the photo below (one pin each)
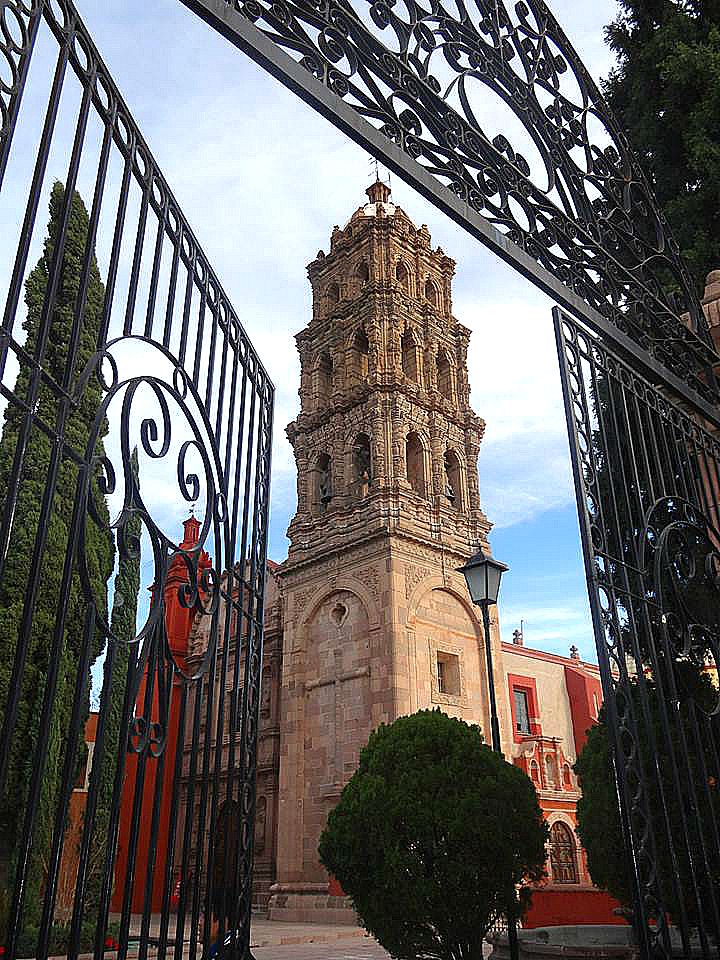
(309, 903)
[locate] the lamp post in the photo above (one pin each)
(482, 576)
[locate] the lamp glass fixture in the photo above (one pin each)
(482, 575)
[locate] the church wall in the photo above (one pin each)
(337, 686)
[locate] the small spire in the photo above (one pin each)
(378, 192)
(574, 653)
(191, 529)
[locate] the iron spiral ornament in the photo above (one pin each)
(559, 178)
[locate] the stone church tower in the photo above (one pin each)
(377, 623)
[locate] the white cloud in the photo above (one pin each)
(553, 628)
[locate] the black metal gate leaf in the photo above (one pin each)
(562, 198)
(647, 476)
(128, 388)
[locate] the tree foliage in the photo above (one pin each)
(430, 834)
(666, 92)
(60, 371)
(123, 627)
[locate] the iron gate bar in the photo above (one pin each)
(655, 456)
(225, 443)
(589, 281)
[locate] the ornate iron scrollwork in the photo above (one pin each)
(681, 558)
(571, 194)
(177, 404)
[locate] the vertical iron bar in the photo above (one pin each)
(645, 945)
(15, 101)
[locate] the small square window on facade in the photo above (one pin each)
(522, 712)
(448, 674)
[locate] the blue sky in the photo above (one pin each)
(262, 179)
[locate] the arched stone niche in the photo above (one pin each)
(321, 482)
(417, 463)
(360, 355)
(448, 668)
(360, 466)
(453, 479)
(445, 376)
(410, 356)
(322, 381)
(337, 709)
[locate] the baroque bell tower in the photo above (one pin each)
(377, 622)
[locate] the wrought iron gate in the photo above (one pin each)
(407, 82)
(647, 475)
(128, 389)
(580, 222)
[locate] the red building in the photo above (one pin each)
(178, 621)
(553, 701)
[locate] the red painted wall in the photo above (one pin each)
(580, 688)
(69, 862)
(178, 621)
(556, 908)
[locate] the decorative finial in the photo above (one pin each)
(574, 653)
(378, 191)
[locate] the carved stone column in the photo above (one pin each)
(437, 452)
(398, 443)
(380, 465)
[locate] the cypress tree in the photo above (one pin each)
(123, 624)
(99, 549)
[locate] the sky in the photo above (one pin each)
(262, 179)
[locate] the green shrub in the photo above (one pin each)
(431, 835)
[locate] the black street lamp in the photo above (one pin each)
(482, 575)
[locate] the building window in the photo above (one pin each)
(522, 712)
(402, 275)
(361, 355)
(323, 380)
(415, 464)
(409, 357)
(453, 489)
(444, 376)
(563, 854)
(448, 674)
(361, 465)
(323, 492)
(431, 294)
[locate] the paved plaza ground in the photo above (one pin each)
(275, 940)
(352, 948)
(272, 940)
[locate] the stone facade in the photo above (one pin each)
(377, 622)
